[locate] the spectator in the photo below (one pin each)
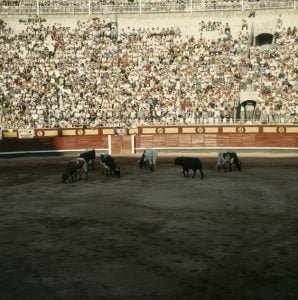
(244, 25)
(252, 12)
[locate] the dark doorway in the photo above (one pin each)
(264, 39)
(246, 110)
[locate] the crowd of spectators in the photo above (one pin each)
(96, 75)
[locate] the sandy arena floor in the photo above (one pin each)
(149, 235)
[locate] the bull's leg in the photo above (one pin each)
(224, 167)
(105, 170)
(239, 166)
(108, 172)
(152, 167)
(194, 173)
(218, 168)
(230, 166)
(202, 173)
(74, 176)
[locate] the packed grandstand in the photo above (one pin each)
(98, 73)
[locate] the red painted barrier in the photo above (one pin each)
(122, 141)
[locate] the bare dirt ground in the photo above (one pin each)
(149, 235)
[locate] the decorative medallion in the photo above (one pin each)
(200, 130)
(80, 131)
(40, 133)
(240, 129)
(160, 130)
(281, 129)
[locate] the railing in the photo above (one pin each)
(135, 7)
(210, 121)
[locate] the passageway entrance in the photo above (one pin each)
(264, 39)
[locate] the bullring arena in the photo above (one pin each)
(148, 234)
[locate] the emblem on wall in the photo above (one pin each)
(160, 130)
(40, 133)
(240, 129)
(281, 129)
(80, 132)
(200, 130)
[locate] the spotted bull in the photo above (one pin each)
(75, 167)
(190, 163)
(228, 160)
(108, 165)
(148, 159)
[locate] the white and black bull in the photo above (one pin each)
(190, 163)
(108, 165)
(89, 155)
(148, 159)
(75, 167)
(228, 160)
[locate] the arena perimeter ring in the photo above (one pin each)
(150, 235)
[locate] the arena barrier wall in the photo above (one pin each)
(120, 141)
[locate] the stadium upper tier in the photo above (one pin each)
(135, 6)
(96, 73)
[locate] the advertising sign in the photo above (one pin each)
(26, 133)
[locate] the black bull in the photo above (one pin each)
(89, 156)
(192, 163)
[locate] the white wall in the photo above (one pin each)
(188, 22)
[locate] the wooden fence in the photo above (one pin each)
(118, 141)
